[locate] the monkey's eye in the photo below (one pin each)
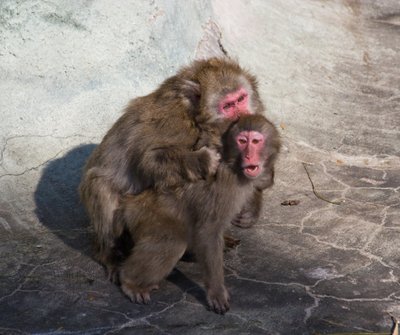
(242, 98)
(255, 141)
(242, 141)
(228, 105)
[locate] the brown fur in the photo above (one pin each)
(165, 224)
(154, 144)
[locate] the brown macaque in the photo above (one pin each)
(194, 216)
(153, 145)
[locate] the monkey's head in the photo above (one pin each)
(226, 90)
(251, 145)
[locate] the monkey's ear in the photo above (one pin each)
(191, 85)
(191, 89)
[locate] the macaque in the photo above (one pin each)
(154, 144)
(194, 216)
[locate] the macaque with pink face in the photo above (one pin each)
(249, 143)
(155, 145)
(163, 225)
(235, 104)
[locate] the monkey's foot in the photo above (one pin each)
(244, 220)
(136, 294)
(218, 300)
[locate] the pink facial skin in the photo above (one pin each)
(234, 104)
(250, 144)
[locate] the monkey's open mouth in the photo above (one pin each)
(251, 171)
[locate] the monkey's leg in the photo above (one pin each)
(155, 253)
(251, 211)
(101, 202)
(209, 246)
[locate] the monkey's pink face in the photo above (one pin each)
(251, 144)
(235, 104)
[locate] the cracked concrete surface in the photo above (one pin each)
(329, 73)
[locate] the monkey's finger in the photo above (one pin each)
(142, 298)
(146, 298)
(222, 309)
(138, 298)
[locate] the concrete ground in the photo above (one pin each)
(329, 73)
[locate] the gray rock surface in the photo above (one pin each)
(329, 73)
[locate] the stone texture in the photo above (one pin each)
(329, 73)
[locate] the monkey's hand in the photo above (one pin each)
(214, 159)
(251, 211)
(218, 300)
(245, 219)
(170, 166)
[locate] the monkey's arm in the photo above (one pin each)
(172, 165)
(251, 211)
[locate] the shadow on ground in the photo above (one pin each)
(58, 207)
(57, 200)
